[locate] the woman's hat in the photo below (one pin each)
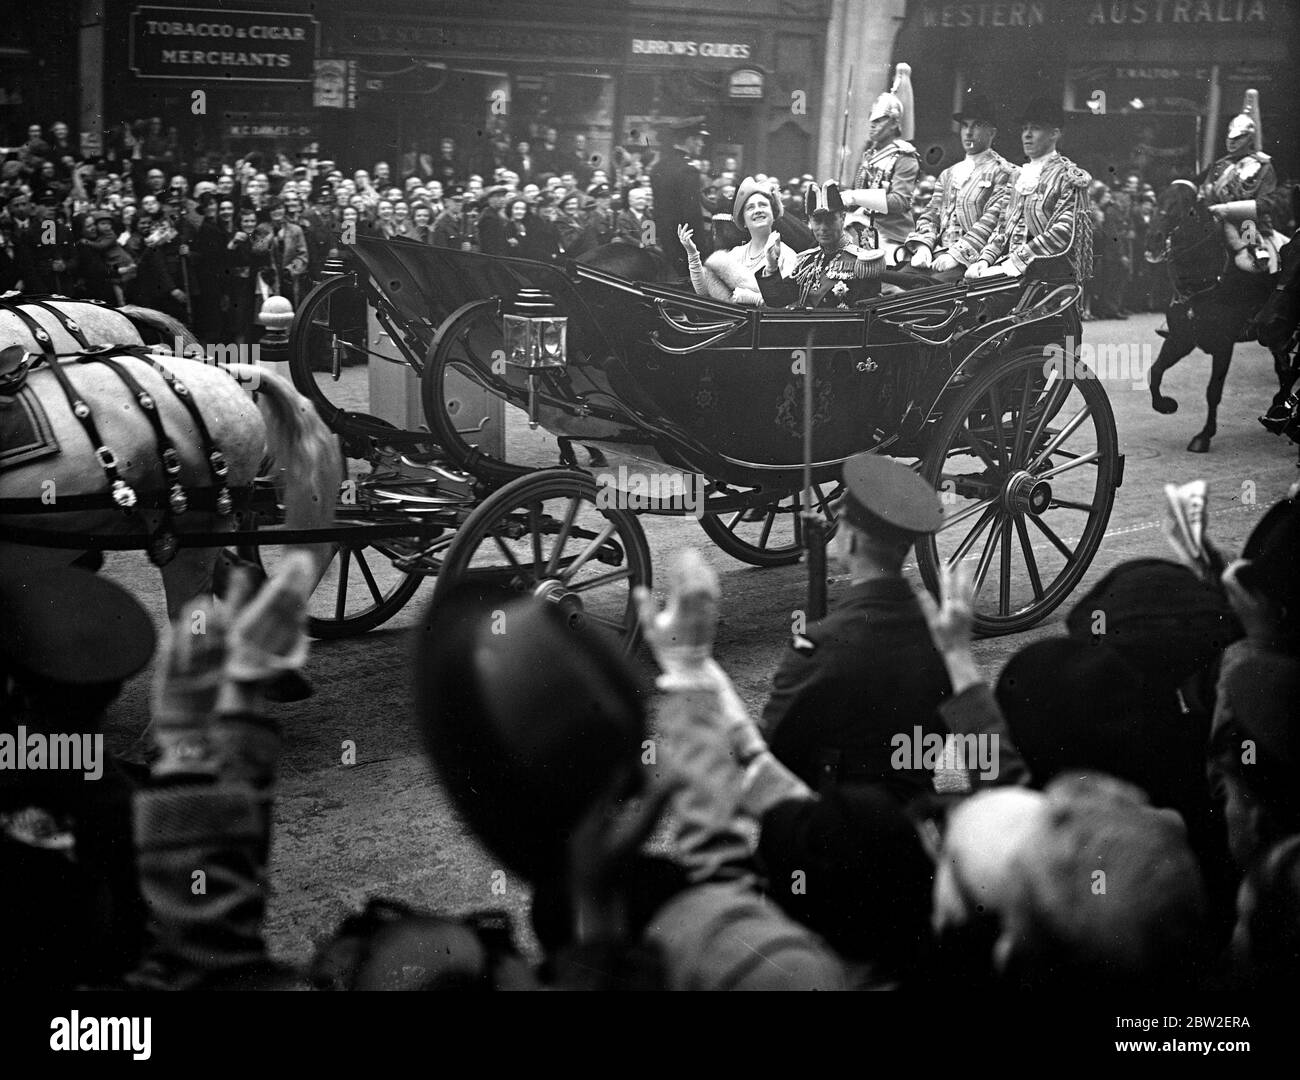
(749, 186)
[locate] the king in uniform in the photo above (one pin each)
(836, 274)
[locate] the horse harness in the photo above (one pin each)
(16, 364)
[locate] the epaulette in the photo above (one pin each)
(1262, 156)
(1075, 176)
(905, 147)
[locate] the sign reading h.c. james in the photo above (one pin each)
(213, 43)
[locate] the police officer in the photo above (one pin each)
(675, 184)
(69, 640)
(836, 273)
(601, 221)
(451, 230)
(868, 672)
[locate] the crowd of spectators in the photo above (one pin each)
(1135, 827)
(207, 241)
(1123, 282)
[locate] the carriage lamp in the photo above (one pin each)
(536, 338)
(277, 316)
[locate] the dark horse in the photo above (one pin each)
(1214, 303)
(1279, 323)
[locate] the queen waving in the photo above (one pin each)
(742, 240)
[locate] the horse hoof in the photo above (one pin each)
(1200, 444)
(1166, 406)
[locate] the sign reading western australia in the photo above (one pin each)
(202, 43)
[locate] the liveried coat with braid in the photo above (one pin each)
(1046, 218)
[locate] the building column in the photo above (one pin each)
(90, 76)
(860, 36)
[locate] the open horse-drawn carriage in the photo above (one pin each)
(699, 407)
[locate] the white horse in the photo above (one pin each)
(280, 424)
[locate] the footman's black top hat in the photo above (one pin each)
(1042, 110)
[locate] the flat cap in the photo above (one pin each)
(881, 493)
(72, 627)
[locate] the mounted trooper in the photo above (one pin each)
(948, 234)
(1234, 183)
(886, 178)
(836, 273)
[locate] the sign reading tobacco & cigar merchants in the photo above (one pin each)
(213, 43)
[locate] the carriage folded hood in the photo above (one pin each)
(427, 283)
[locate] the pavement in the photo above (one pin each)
(383, 826)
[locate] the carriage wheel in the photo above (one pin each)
(770, 535)
(461, 352)
(548, 535)
(1026, 467)
(329, 348)
(360, 589)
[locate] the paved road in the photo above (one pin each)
(382, 826)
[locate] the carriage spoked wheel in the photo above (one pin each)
(362, 586)
(549, 535)
(770, 535)
(467, 349)
(1026, 465)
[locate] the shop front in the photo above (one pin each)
(486, 81)
(198, 81)
(1148, 85)
(754, 75)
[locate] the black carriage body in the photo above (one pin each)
(705, 386)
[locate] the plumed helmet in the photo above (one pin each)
(528, 719)
(1241, 124)
(823, 200)
(887, 104)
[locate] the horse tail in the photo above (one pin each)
(168, 329)
(299, 443)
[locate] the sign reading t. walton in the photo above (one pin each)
(212, 43)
